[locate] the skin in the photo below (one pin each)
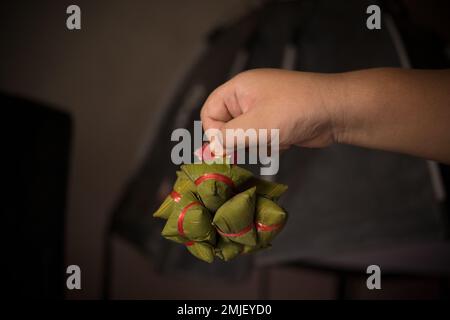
(398, 110)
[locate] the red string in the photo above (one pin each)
(264, 227)
(205, 153)
(214, 176)
(189, 243)
(182, 214)
(175, 196)
(240, 233)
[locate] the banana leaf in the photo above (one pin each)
(190, 220)
(202, 250)
(246, 217)
(182, 185)
(216, 182)
(240, 175)
(268, 189)
(235, 218)
(214, 194)
(270, 219)
(227, 250)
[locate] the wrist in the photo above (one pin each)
(335, 99)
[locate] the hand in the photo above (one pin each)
(389, 109)
(296, 103)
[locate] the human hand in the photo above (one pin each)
(296, 103)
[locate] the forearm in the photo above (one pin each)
(398, 110)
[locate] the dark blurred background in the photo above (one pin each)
(87, 119)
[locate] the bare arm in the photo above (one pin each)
(398, 110)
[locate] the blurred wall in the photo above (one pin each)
(113, 76)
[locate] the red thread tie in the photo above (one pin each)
(214, 176)
(264, 227)
(182, 214)
(189, 243)
(240, 233)
(204, 153)
(175, 196)
(209, 153)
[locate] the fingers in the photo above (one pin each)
(214, 113)
(222, 111)
(221, 106)
(241, 132)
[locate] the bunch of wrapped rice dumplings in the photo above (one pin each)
(221, 210)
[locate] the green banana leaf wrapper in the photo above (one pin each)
(265, 188)
(227, 250)
(216, 190)
(221, 210)
(189, 221)
(201, 250)
(235, 218)
(182, 184)
(270, 220)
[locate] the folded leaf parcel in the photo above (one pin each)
(221, 210)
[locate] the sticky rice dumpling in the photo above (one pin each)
(218, 209)
(235, 218)
(227, 249)
(202, 250)
(214, 193)
(182, 184)
(270, 219)
(216, 182)
(190, 220)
